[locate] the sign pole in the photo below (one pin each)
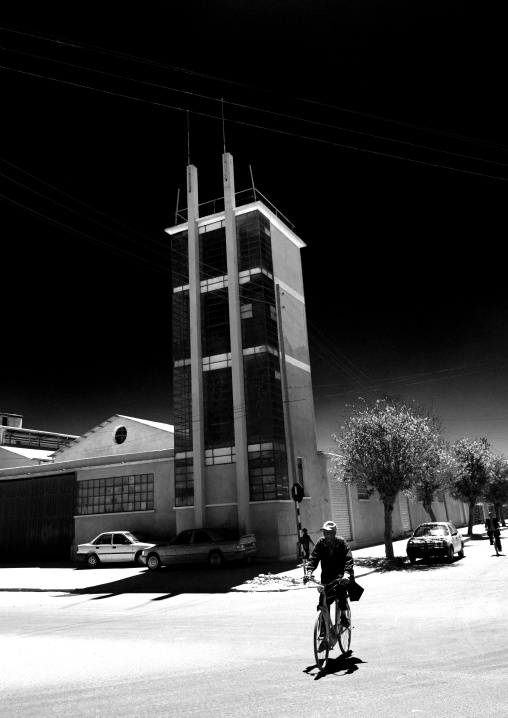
(299, 528)
(297, 494)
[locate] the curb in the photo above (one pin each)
(245, 588)
(242, 588)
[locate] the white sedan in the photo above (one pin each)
(435, 538)
(112, 547)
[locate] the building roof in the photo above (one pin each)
(260, 206)
(40, 454)
(155, 424)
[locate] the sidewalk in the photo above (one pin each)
(291, 580)
(261, 576)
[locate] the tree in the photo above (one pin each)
(496, 491)
(431, 477)
(470, 473)
(386, 445)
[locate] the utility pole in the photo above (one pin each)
(287, 419)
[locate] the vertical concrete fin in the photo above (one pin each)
(198, 447)
(240, 424)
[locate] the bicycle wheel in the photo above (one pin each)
(321, 642)
(345, 633)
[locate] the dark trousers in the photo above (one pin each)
(341, 593)
(495, 536)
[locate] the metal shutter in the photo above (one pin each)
(340, 508)
(404, 512)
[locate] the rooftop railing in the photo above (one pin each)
(245, 196)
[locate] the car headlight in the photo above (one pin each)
(240, 547)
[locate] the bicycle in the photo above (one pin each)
(328, 632)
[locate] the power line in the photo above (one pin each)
(133, 58)
(75, 199)
(258, 127)
(256, 109)
(78, 233)
(89, 219)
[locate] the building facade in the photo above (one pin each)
(243, 407)
(119, 475)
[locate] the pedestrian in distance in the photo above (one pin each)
(306, 542)
(492, 529)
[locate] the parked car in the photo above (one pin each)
(435, 538)
(214, 546)
(112, 546)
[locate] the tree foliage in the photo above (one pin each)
(388, 446)
(470, 473)
(431, 477)
(496, 490)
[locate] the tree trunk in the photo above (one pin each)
(388, 528)
(427, 505)
(503, 522)
(472, 504)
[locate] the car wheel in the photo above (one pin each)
(461, 552)
(92, 561)
(153, 562)
(451, 553)
(215, 559)
(412, 559)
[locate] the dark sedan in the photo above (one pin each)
(212, 546)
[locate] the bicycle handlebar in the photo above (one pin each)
(326, 585)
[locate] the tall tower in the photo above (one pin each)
(241, 437)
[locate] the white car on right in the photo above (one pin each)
(435, 538)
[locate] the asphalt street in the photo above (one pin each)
(428, 640)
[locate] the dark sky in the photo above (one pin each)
(377, 127)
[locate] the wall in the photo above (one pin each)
(159, 524)
(315, 508)
(100, 441)
(220, 483)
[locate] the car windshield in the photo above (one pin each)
(131, 536)
(431, 531)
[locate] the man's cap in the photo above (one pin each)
(329, 526)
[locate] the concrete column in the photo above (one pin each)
(198, 439)
(235, 328)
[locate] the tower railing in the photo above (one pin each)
(243, 197)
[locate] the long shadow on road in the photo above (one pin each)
(185, 579)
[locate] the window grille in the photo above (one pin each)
(115, 495)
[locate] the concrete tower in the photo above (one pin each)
(243, 408)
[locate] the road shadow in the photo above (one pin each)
(344, 665)
(401, 563)
(172, 580)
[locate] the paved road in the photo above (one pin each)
(428, 641)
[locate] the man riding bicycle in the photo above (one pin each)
(336, 561)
